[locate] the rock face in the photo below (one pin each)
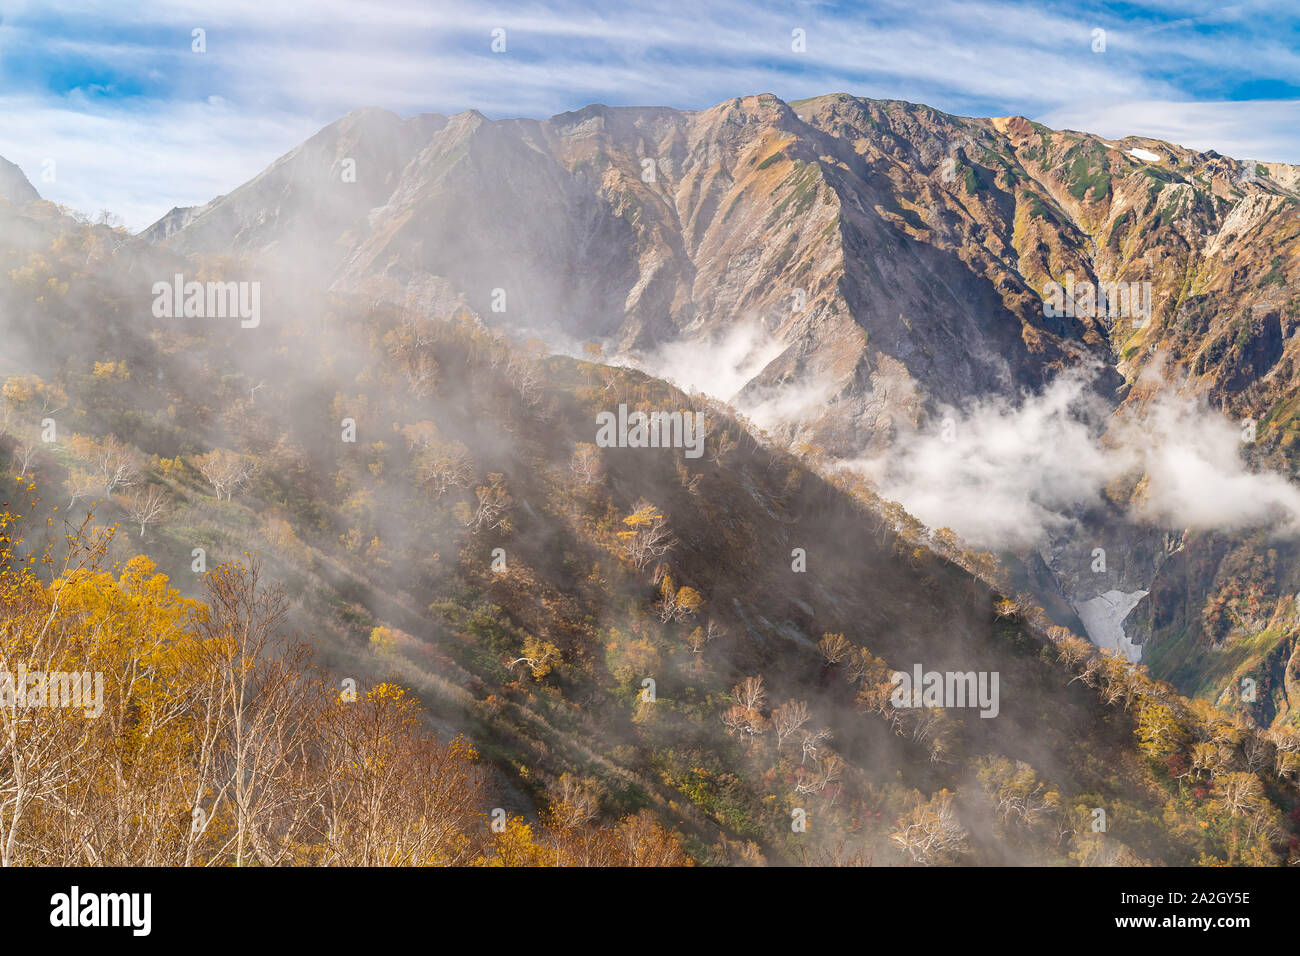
(174, 221)
(877, 259)
(14, 186)
(832, 229)
(1104, 616)
(888, 255)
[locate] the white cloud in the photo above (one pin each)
(1013, 474)
(273, 73)
(140, 164)
(1263, 130)
(719, 367)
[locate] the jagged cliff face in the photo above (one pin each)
(888, 249)
(887, 259)
(14, 186)
(833, 224)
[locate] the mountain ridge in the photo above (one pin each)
(863, 270)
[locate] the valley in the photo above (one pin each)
(400, 368)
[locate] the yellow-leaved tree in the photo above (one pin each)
(142, 728)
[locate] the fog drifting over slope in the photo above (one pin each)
(1011, 473)
(720, 367)
(724, 366)
(1008, 474)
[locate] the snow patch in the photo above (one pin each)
(1103, 619)
(1145, 154)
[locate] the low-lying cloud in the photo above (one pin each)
(724, 367)
(1009, 475)
(719, 367)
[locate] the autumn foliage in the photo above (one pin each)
(219, 742)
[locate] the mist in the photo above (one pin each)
(719, 366)
(1008, 474)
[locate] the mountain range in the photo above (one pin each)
(844, 271)
(864, 298)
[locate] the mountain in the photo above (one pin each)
(177, 218)
(749, 208)
(827, 221)
(861, 271)
(709, 639)
(713, 634)
(14, 186)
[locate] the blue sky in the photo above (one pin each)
(109, 101)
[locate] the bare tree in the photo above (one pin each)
(575, 803)
(226, 471)
(834, 647)
(1240, 792)
(525, 374)
(745, 715)
(722, 448)
(1092, 667)
(1286, 742)
(676, 604)
(116, 464)
(612, 379)
(931, 832)
(585, 463)
(648, 536)
(25, 452)
(442, 467)
(826, 771)
(789, 718)
(392, 796)
(494, 503)
(750, 693)
(811, 743)
(258, 714)
(81, 484)
(738, 719)
(699, 638)
(858, 665)
(153, 506)
(43, 750)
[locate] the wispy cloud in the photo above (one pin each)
(1261, 129)
(146, 123)
(137, 163)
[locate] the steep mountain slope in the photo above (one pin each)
(873, 240)
(436, 501)
(14, 186)
(865, 266)
(638, 228)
